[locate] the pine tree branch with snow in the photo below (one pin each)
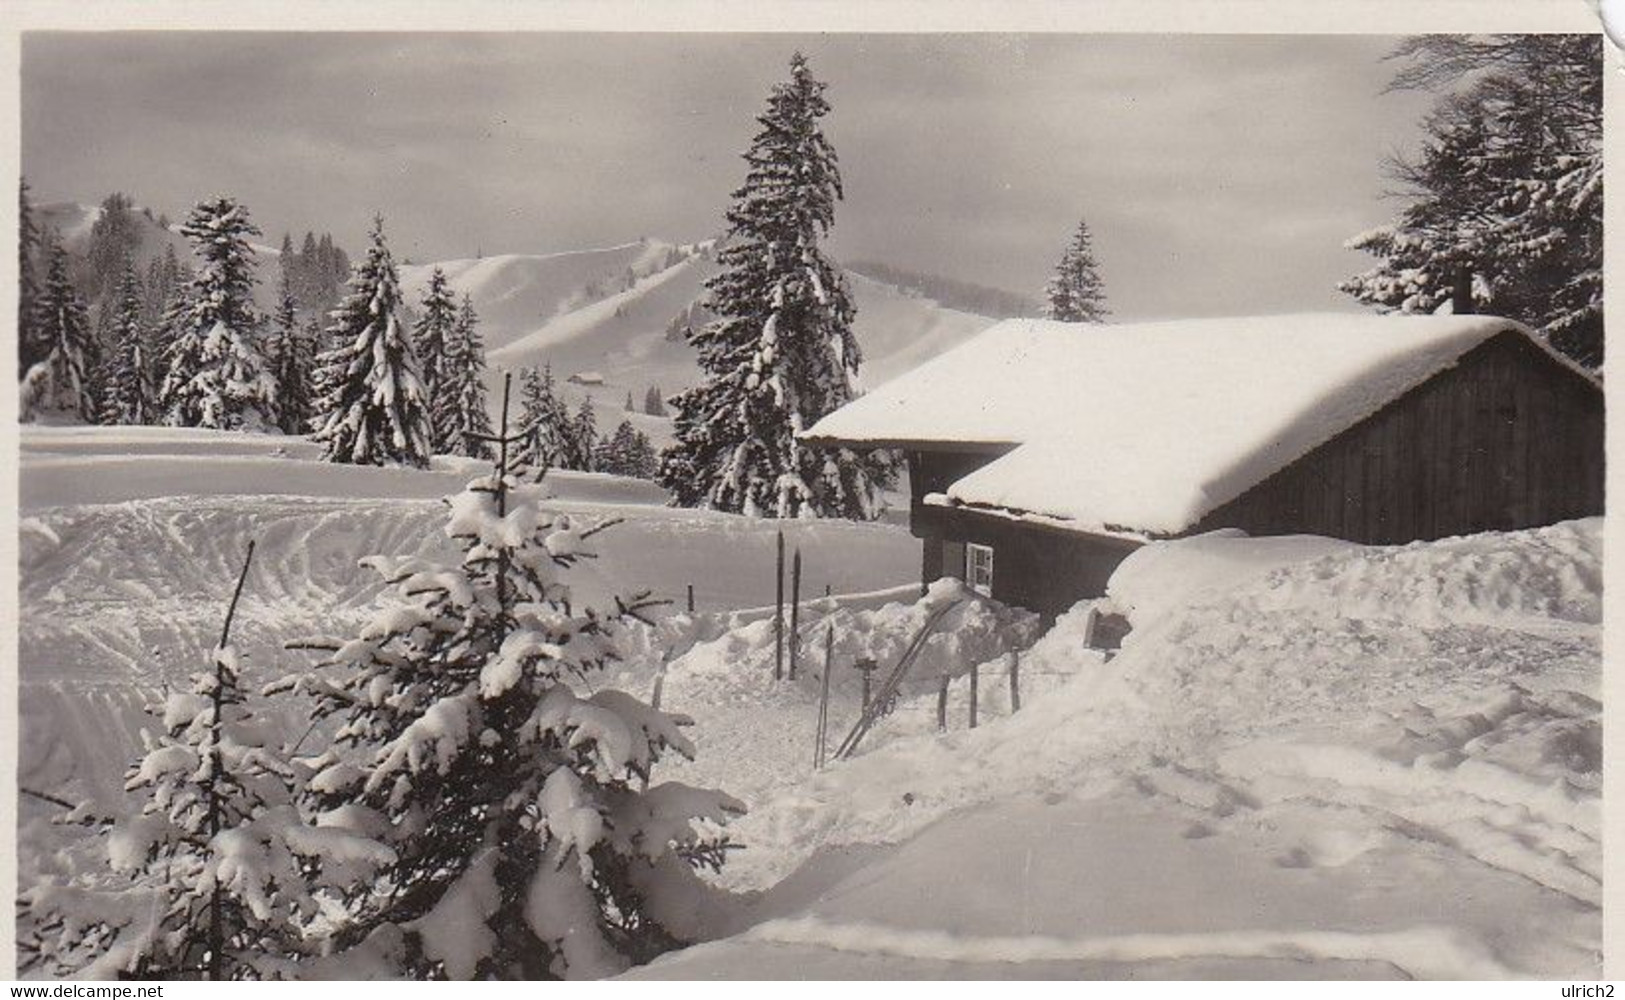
(1505, 195)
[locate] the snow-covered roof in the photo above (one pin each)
(1144, 428)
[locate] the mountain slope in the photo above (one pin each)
(517, 294)
(72, 222)
(533, 315)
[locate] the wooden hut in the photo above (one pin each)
(1040, 454)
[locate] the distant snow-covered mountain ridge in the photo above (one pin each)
(611, 310)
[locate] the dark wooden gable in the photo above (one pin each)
(1507, 438)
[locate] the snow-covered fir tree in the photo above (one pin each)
(130, 394)
(372, 410)
(654, 402)
(166, 283)
(626, 452)
(216, 375)
(1076, 294)
(162, 313)
(114, 235)
(1505, 194)
(436, 325)
(780, 353)
(293, 362)
(542, 412)
(219, 875)
(61, 380)
(582, 441)
(29, 349)
(461, 408)
(474, 737)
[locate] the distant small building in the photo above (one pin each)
(586, 378)
(1040, 454)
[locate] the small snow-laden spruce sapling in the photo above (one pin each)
(219, 875)
(471, 738)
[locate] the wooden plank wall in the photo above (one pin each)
(1506, 439)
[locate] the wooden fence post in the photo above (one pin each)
(866, 667)
(795, 612)
(778, 614)
(1015, 681)
(691, 598)
(823, 698)
(942, 706)
(973, 673)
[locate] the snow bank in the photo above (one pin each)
(1163, 576)
(1450, 686)
(975, 630)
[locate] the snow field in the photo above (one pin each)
(1309, 759)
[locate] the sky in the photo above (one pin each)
(1219, 174)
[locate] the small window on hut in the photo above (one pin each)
(979, 568)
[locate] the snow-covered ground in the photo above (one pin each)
(1310, 759)
(1331, 761)
(131, 538)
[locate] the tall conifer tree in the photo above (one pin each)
(373, 410)
(436, 325)
(61, 379)
(1506, 192)
(780, 353)
(1076, 294)
(461, 407)
(131, 395)
(216, 376)
(293, 360)
(28, 292)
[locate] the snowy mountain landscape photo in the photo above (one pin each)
(739, 506)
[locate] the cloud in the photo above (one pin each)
(1220, 173)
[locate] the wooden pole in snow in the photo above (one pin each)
(691, 598)
(866, 667)
(973, 672)
(778, 614)
(502, 439)
(795, 612)
(217, 933)
(1015, 681)
(942, 706)
(823, 698)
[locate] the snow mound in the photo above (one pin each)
(1162, 576)
(976, 629)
